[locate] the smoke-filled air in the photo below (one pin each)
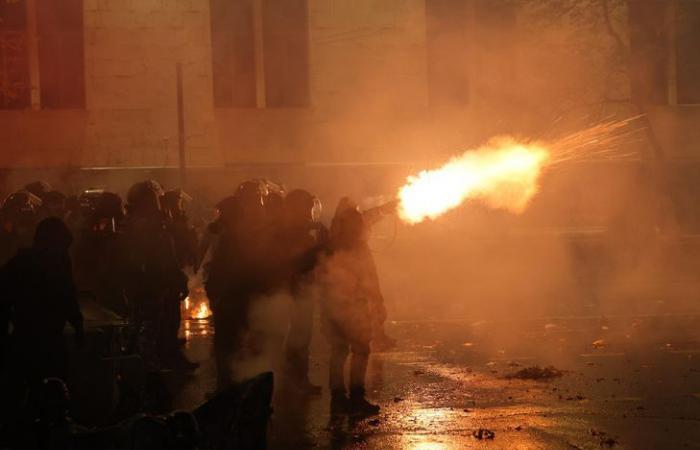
(345, 224)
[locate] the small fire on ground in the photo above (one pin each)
(197, 307)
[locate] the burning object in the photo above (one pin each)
(196, 308)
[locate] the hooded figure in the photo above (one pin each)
(380, 340)
(349, 293)
(41, 297)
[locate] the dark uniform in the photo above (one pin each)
(154, 276)
(303, 239)
(185, 243)
(100, 257)
(39, 289)
(238, 271)
(18, 218)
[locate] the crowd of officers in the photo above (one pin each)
(133, 259)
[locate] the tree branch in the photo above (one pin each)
(611, 30)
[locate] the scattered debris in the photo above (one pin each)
(536, 373)
(483, 433)
(605, 440)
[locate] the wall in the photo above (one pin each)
(369, 96)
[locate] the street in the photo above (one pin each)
(622, 382)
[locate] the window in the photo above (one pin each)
(286, 53)
(60, 78)
(687, 51)
(260, 53)
(649, 48)
(496, 22)
(14, 64)
(61, 59)
(233, 53)
(448, 57)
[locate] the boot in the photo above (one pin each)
(359, 405)
(339, 402)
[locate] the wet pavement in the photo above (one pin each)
(626, 382)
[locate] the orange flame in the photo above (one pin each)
(503, 174)
(202, 311)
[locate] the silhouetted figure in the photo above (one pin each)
(100, 255)
(238, 271)
(185, 240)
(52, 427)
(39, 188)
(53, 204)
(154, 277)
(347, 276)
(41, 295)
(380, 340)
(18, 217)
(302, 240)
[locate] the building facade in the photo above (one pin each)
(92, 83)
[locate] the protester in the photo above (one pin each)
(347, 275)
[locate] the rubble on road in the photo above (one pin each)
(605, 440)
(536, 373)
(483, 433)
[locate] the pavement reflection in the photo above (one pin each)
(635, 391)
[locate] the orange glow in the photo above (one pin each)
(503, 174)
(202, 311)
(197, 309)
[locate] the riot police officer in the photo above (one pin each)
(238, 271)
(154, 273)
(100, 253)
(303, 240)
(184, 238)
